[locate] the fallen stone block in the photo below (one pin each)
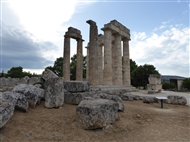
(54, 92)
(97, 113)
(150, 100)
(178, 100)
(76, 86)
(6, 111)
(74, 98)
(47, 74)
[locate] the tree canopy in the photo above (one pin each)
(139, 77)
(17, 72)
(186, 83)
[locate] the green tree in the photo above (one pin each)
(186, 83)
(17, 72)
(139, 76)
(73, 65)
(57, 67)
(133, 65)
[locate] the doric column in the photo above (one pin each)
(79, 66)
(93, 54)
(100, 64)
(107, 57)
(66, 59)
(87, 62)
(117, 61)
(126, 63)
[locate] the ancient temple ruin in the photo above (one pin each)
(106, 65)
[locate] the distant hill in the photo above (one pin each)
(166, 78)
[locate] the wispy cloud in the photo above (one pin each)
(168, 51)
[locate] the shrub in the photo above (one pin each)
(168, 86)
(186, 83)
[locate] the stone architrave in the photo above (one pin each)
(107, 57)
(117, 61)
(79, 73)
(66, 61)
(93, 54)
(126, 63)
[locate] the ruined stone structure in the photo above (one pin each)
(154, 83)
(75, 34)
(106, 67)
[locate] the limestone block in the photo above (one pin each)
(97, 113)
(127, 97)
(150, 100)
(24, 80)
(32, 93)
(33, 80)
(54, 92)
(74, 98)
(6, 111)
(47, 74)
(76, 86)
(114, 98)
(178, 100)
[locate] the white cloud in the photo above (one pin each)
(167, 51)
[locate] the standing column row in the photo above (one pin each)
(66, 61)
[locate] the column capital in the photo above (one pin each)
(80, 39)
(106, 29)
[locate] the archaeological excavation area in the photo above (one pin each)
(102, 107)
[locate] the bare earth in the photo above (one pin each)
(172, 123)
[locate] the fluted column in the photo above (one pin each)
(126, 63)
(79, 68)
(100, 64)
(107, 57)
(66, 59)
(117, 61)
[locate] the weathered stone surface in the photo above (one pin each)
(150, 100)
(178, 100)
(76, 86)
(47, 74)
(32, 93)
(114, 98)
(127, 97)
(6, 111)
(54, 92)
(97, 113)
(33, 80)
(24, 80)
(18, 100)
(74, 98)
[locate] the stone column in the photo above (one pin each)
(107, 57)
(100, 64)
(87, 62)
(117, 61)
(126, 63)
(66, 59)
(93, 54)
(79, 66)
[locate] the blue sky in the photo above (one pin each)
(32, 31)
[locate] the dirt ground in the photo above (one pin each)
(139, 122)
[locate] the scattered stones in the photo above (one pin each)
(76, 86)
(97, 113)
(138, 116)
(54, 92)
(74, 98)
(178, 100)
(32, 93)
